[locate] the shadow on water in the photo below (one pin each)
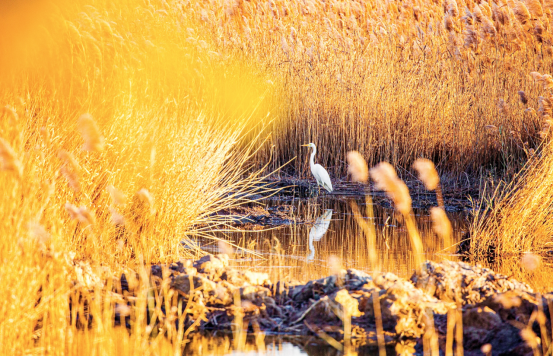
(302, 251)
(271, 345)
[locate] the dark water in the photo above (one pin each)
(328, 233)
(306, 251)
(323, 232)
(271, 345)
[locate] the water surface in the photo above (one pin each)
(306, 251)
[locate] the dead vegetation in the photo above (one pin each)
(139, 122)
(446, 80)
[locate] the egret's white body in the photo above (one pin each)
(318, 231)
(321, 175)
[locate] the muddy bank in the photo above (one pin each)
(282, 207)
(455, 198)
(492, 310)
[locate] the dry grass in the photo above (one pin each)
(522, 221)
(122, 140)
(127, 125)
(396, 80)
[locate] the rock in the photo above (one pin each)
(233, 276)
(470, 284)
(181, 283)
(221, 294)
(257, 278)
(495, 309)
(482, 318)
(355, 279)
(209, 264)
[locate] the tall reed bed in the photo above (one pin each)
(521, 220)
(396, 80)
(119, 139)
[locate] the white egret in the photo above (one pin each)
(321, 175)
(318, 231)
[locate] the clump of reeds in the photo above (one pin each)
(169, 116)
(361, 95)
(386, 179)
(71, 170)
(520, 220)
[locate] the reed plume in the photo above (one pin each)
(118, 198)
(357, 167)
(441, 225)
(427, 173)
(147, 199)
(9, 159)
(385, 178)
(71, 170)
(93, 139)
(81, 214)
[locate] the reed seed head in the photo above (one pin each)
(39, 232)
(491, 129)
(440, 223)
(8, 158)
(523, 97)
(146, 197)
(522, 13)
(427, 173)
(386, 179)
(9, 111)
(225, 248)
(117, 197)
(530, 261)
(71, 170)
(534, 7)
(357, 167)
(81, 214)
(93, 139)
(116, 218)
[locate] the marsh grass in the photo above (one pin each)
(142, 120)
(397, 81)
(121, 142)
(521, 220)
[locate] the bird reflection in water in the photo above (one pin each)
(318, 231)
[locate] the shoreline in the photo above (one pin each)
(494, 308)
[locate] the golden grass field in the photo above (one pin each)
(126, 124)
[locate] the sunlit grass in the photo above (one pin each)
(396, 80)
(123, 133)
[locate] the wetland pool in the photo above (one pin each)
(319, 234)
(328, 230)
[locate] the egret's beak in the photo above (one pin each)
(305, 145)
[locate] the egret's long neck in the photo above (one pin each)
(312, 160)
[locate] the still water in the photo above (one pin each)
(319, 233)
(303, 251)
(270, 345)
